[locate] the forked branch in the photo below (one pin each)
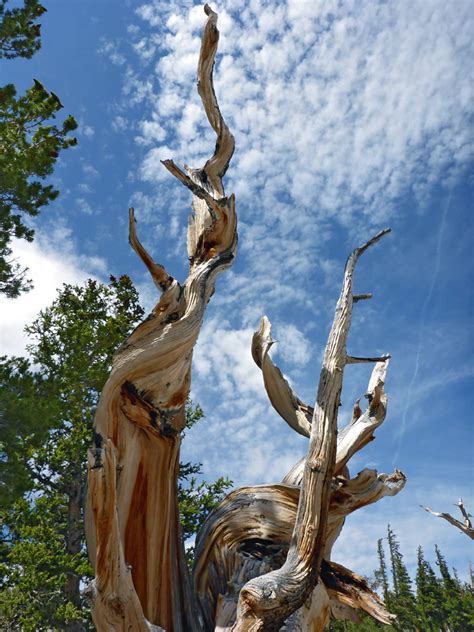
(465, 526)
(265, 602)
(141, 573)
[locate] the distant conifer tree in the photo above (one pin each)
(404, 601)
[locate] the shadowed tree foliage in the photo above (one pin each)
(458, 599)
(19, 31)
(429, 595)
(403, 603)
(29, 143)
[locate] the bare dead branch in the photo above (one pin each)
(466, 516)
(160, 277)
(216, 166)
(465, 526)
(288, 405)
(356, 360)
(360, 430)
(265, 602)
(361, 297)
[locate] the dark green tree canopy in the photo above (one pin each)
(19, 30)
(29, 144)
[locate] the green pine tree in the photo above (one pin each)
(381, 576)
(46, 417)
(403, 603)
(457, 599)
(29, 143)
(429, 597)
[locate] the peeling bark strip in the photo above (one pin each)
(141, 579)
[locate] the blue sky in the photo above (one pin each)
(348, 117)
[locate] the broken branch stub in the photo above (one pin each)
(141, 412)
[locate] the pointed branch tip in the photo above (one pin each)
(373, 240)
(160, 277)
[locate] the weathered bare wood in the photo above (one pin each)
(160, 277)
(113, 588)
(356, 360)
(250, 532)
(265, 602)
(141, 411)
(360, 431)
(259, 556)
(361, 297)
(465, 526)
(347, 588)
(295, 412)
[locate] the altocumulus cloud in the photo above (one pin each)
(339, 110)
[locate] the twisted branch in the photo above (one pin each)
(266, 601)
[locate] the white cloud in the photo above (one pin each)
(52, 260)
(90, 171)
(84, 206)
(110, 49)
(293, 346)
(87, 130)
(222, 357)
(338, 109)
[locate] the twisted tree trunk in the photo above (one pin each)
(133, 525)
(263, 556)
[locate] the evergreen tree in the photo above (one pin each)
(380, 575)
(404, 602)
(29, 143)
(19, 30)
(458, 599)
(429, 597)
(46, 416)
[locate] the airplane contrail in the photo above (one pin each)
(421, 324)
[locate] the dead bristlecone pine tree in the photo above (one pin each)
(263, 557)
